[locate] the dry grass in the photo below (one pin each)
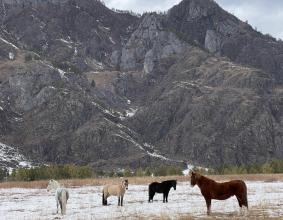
(138, 180)
(102, 79)
(252, 215)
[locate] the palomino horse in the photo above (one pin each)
(220, 191)
(61, 195)
(163, 187)
(115, 190)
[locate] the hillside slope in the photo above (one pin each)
(83, 84)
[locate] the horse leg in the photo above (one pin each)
(166, 196)
(239, 201)
(163, 197)
(103, 199)
(118, 200)
(57, 203)
(243, 201)
(208, 205)
(61, 207)
(122, 200)
(240, 204)
(151, 195)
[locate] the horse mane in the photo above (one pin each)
(202, 179)
(169, 181)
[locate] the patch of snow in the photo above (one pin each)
(191, 167)
(1, 108)
(106, 111)
(131, 112)
(10, 158)
(148, 146)
(65, 41)
(25, 164)
(156, 154)
(62, 73)
(11, 56)
(7, 42)
(125, 136)
(129, 101)
(106, 28)
(111, 40)
(18, 119)
(265, 199)
(187, 171)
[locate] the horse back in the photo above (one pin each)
(238, 186)
(60, 191)
(114, 190)
(225, 190)
(155, 187)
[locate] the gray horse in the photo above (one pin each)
(61, 195)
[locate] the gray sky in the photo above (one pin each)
(265, 15)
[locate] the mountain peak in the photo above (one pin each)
(194, 9)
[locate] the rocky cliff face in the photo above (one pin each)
(150, 43)
(79, 35)
(209, 26)
(83, 84)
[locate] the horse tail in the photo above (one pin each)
(245, 202)
(64, 201)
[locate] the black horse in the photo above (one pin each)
(163, 187)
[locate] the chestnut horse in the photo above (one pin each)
(220, 191)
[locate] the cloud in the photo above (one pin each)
(265, 15)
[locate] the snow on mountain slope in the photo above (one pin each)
(10, 158)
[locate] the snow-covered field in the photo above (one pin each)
(265, 200)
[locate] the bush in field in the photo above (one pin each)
(3, 174)
(275, 166)
(167, 171)
(140, 172)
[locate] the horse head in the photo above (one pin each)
(52, 184)
(49, 185)
(125, 184)
(194, 178)
(174, 184)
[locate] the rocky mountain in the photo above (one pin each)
(83, 84)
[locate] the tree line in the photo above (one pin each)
(81, 172)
